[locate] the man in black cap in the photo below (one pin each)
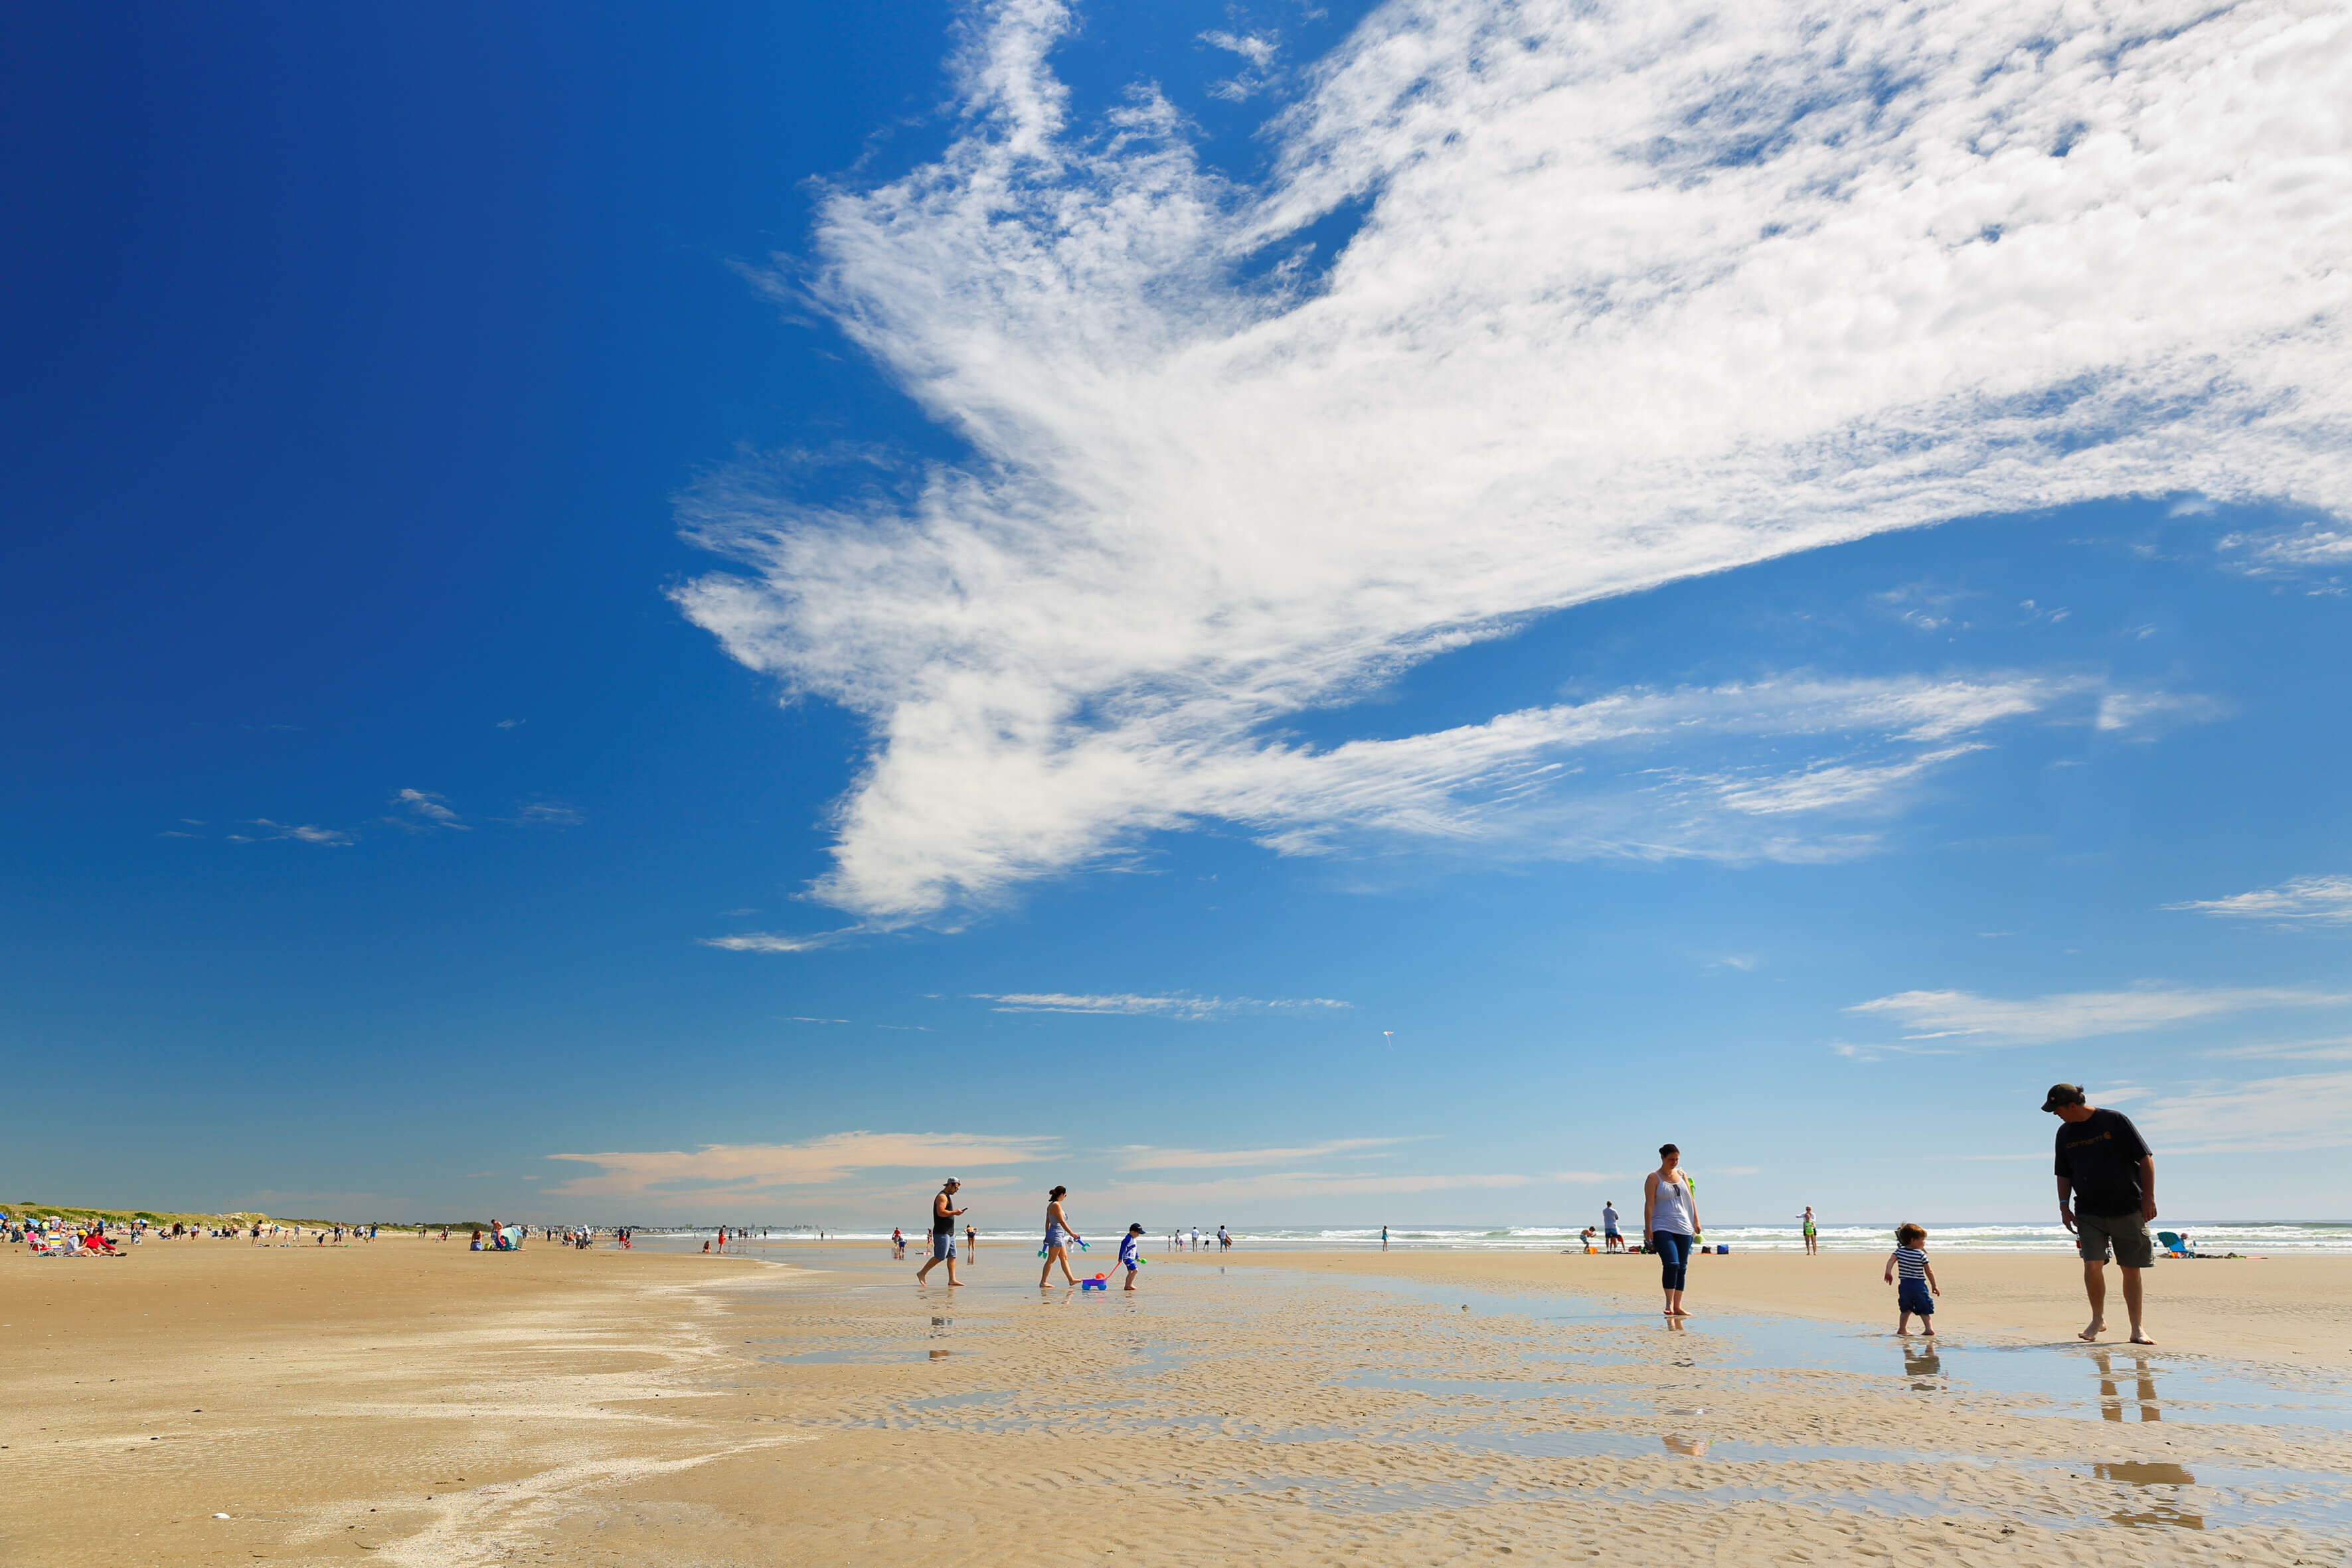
(943, 1219)
(2107, 1196)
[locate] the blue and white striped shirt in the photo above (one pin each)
(1910, 1263)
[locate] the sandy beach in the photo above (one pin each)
(411, 1403)
(2261, 1309)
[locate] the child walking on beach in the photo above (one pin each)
(1918, 1290)
(1131, 1257)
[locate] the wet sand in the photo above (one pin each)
(2295, 1310)
(411, 1403)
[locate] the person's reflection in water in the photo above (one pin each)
(2157, 1508)
(2111, 1395)
(1689, 1448)
(1922, 1363)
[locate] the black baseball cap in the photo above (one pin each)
(2065, 1094)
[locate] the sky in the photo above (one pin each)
(1283, 614)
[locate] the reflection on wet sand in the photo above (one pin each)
(1690, 1447)
(2158, 1510)
(2111, 1397)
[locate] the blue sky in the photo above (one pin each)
(1282, 616)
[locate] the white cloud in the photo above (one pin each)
(422, 810)
(1143, 1157)
(546, 814)
(1640, 292)
(1295, 1186)
(2311, 546)
(1967, 1019)
(2266, 1115)
(778, 941)
(2309, 900)
(2336, 1049)
(303, 833)
(745, 1170)
(1258, 51)
(1179, 1006)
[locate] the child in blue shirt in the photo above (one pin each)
(1129, 1247)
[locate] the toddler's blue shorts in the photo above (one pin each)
(1913, 1298)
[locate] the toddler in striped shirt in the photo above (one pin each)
(1918, 1290)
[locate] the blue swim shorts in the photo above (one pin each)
(1912, 1297)
(942, 1245)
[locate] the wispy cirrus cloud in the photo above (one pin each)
(748, 1169)
(301, 833)
(2299, 901)
(1145, 1157)
(780, 941)
(1637, 293)
(2337, 1047)
(424, 811)
(1300, 1187)
(1180, 1005)
(2300, 1111)
(1965, 1019)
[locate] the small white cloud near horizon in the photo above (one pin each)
(2302, 900)
(1967, 1018)
(1180, 1005)
(1633, 294)
(727, 1170)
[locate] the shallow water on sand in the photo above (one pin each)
(1493, 1391)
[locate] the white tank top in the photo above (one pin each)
(1671, 1210)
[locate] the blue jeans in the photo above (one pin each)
(1673, 1255)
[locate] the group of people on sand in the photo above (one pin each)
(1060, 1235)
(2106, 1198)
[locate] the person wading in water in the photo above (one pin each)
(1670, 1219)
(943, 1219)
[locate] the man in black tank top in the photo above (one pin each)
(943, 1219)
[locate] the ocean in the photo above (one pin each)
(2276, 1238)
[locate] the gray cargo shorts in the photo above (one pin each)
(2126, 1233)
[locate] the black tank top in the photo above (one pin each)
(942, 1223)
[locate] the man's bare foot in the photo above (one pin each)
(2141, 1339)
(2098, 1326)
(1930, 1332)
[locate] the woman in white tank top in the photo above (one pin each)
(1670, 1222)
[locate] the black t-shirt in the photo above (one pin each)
(2101, 1156)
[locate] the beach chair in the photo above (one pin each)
(2173, 1246)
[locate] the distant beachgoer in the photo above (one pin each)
(1670, 1219)
(1813, 1237)
(1918, 1290)
(1225, 1239)
(1609, 1235)
(897, 1243)
(1384, 1238)
(2107, 1196)
(943, 1219)
(1059, 1237)
(1586, 1237)
(1130, 1252)
(970, 1239)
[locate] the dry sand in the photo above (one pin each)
(411, 1403)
